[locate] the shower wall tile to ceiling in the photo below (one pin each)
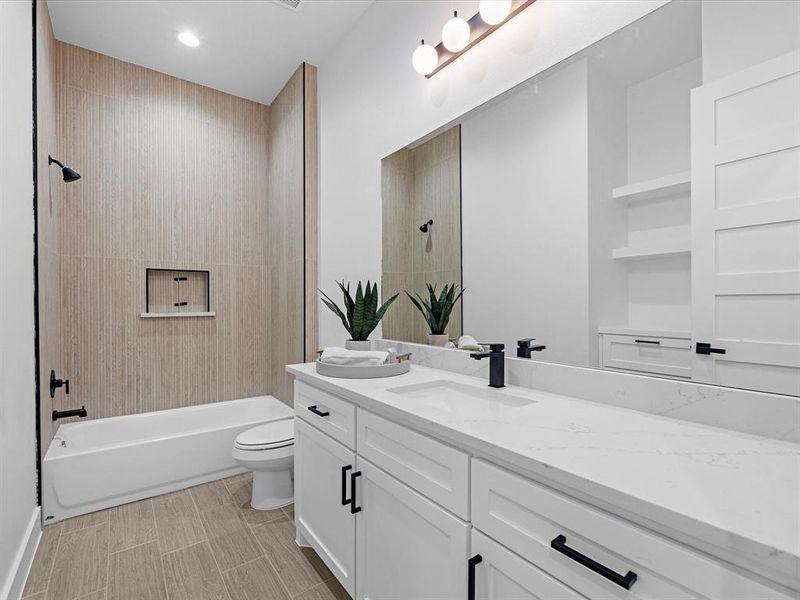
(175, 176)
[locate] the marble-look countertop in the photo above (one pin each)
(733, 495)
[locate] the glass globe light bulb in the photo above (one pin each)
(494, 11)
(455, 34)
(425, 59)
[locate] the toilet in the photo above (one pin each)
(268, 451)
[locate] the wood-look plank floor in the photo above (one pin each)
(204, 543)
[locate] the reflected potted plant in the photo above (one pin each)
(361, 314)
(437, 310)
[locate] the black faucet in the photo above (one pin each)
(73, 412)
(524, 348)
(496, 356)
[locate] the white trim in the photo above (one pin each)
(18, 574)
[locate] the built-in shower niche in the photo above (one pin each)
(177, 293)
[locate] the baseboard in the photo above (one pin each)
(12, 589)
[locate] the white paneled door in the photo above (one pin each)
(746, 228)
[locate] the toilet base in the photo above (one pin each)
(272, 489)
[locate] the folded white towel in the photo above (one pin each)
(341, 356)
(467, 342)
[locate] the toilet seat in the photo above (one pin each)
(269, 436)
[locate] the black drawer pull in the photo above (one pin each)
(318, 412)
(345, 499)
(471, 564)
(180, 278)
(654, 342)
(559, 544)
(181, 304)
(705, 348)
(353, 508)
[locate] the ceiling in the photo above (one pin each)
(248, 48)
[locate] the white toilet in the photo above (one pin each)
(268, 451)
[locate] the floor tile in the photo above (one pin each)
(328, 590)
(130, 525)
(300, 569)
(255, 580)
(177, 522)
(241, 490)
(99, 595)
(81, 563)
(95, 518)
(211, 495)
(39, 596)
(289, 511)
(230, 539)
(136, 574)
(191, 574)
(43, 561)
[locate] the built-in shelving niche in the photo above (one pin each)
(177, 293)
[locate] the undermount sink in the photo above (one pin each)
(450, 393)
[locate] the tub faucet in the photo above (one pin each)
(496, 356)
(73, 412)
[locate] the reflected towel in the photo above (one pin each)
(341, 356)
(467, 342)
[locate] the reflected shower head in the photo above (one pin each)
(424, 227)
(68, 173)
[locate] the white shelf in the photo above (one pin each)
(670, 185)
(624, 330)
(667, 248)
(177, 315)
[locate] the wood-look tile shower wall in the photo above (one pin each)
(175, 175)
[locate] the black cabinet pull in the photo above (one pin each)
(353, 508)
(559, 544)
(345, 499)
(471, 564)
(181, 304)
(705, 348)
(318, 412)
(654, 342)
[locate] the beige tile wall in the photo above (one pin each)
(419, 184)
(175, 175)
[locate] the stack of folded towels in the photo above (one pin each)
(352, 358)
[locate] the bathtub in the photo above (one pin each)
(97, 464)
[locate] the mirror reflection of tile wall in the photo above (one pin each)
(418, 184)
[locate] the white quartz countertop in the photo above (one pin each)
(733, 495)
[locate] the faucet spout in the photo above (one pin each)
(496, 356)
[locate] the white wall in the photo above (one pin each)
(741, 33)
(525, 217)
(17, 376)
(372, 103)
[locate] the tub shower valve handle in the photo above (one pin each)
(57, 383)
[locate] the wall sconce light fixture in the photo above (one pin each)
(458, 35)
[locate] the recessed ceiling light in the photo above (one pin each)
(188, 38)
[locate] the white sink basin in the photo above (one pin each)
(448, 394)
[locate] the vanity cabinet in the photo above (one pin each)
(406, 546)
(654, 354)
(323, 519)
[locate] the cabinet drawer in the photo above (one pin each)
(311, 404)
(434, 469)
(502, 575)
(665, 356)
(526, 517)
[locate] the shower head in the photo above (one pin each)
(424, 227)
(68, 173)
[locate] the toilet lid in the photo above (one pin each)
(275, 434)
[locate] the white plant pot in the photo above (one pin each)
(358, 345)
(438, 340)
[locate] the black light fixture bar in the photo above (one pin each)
(479, 30)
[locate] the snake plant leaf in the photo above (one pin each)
(437, 310)
(361, 314)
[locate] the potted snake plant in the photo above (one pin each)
(436, 310)
(361, 314)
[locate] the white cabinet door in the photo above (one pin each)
(406, 546)
(499, 574)
(322, 470)
(746, 227)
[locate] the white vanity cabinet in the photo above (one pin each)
(381, 538)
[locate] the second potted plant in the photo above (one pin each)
(437, 311)
(361, 314)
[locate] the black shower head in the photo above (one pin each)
(424, 227)
(69, 174)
